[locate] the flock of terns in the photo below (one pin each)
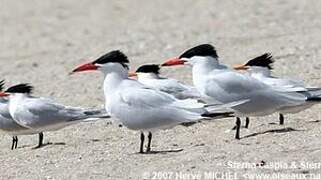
(150, 102)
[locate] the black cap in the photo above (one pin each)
(149, 68)
(265, 60)
(113, 57)
(200, 50)
(20, 88)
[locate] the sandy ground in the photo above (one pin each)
(41, 41)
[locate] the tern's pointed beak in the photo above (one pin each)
(132, 74)
(240, 67)
(173, 62)
(85, 67)
(3, 94)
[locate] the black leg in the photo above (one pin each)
(16, 142)
(40, 140)
(238, 126)
(142, 139)
(281, 118)
(247, 122)
(149, 141)
(13, 141)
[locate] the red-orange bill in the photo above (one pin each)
(132, 74)
(85, 67)
(173, 61)
(3, 94)
(240, 67)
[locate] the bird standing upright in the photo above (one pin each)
(9, 126)
(217, 82)
(260, 68)
(40, 114)
(137, 106)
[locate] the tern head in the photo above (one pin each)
(18, 89)
(200, 53)
(262, 62)
(148, 69)
(106, 63)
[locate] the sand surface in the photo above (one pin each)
(41, 41)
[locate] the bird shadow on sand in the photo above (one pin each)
(273, 123)
(95, 140)
(234, 128)
(46, 144)
(283, 130)
(161, 152)
(314, 121)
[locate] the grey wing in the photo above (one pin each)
(230, 86)
(161, 107)
(190, 92)
(287, 85)
(146, 98)
(177, 89)
(172, 85)
(42, 113)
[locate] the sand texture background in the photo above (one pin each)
(41, 41)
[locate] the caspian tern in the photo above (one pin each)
(8, 125)
(139, 107)
(39, 114)
(217, 82)
(260, 68)
(149, 75)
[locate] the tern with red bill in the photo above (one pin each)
(39, 114)
(142, 108)
(217, 82)
(149, 75)
(9, 125)
(260, 68)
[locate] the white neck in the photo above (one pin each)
(259, 71)
(114, 73)
(17, 96)
(142, 76)
(202, 66)
(15, 100)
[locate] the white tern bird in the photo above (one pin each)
(139, 107)
(41, 114)
(217, 82)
